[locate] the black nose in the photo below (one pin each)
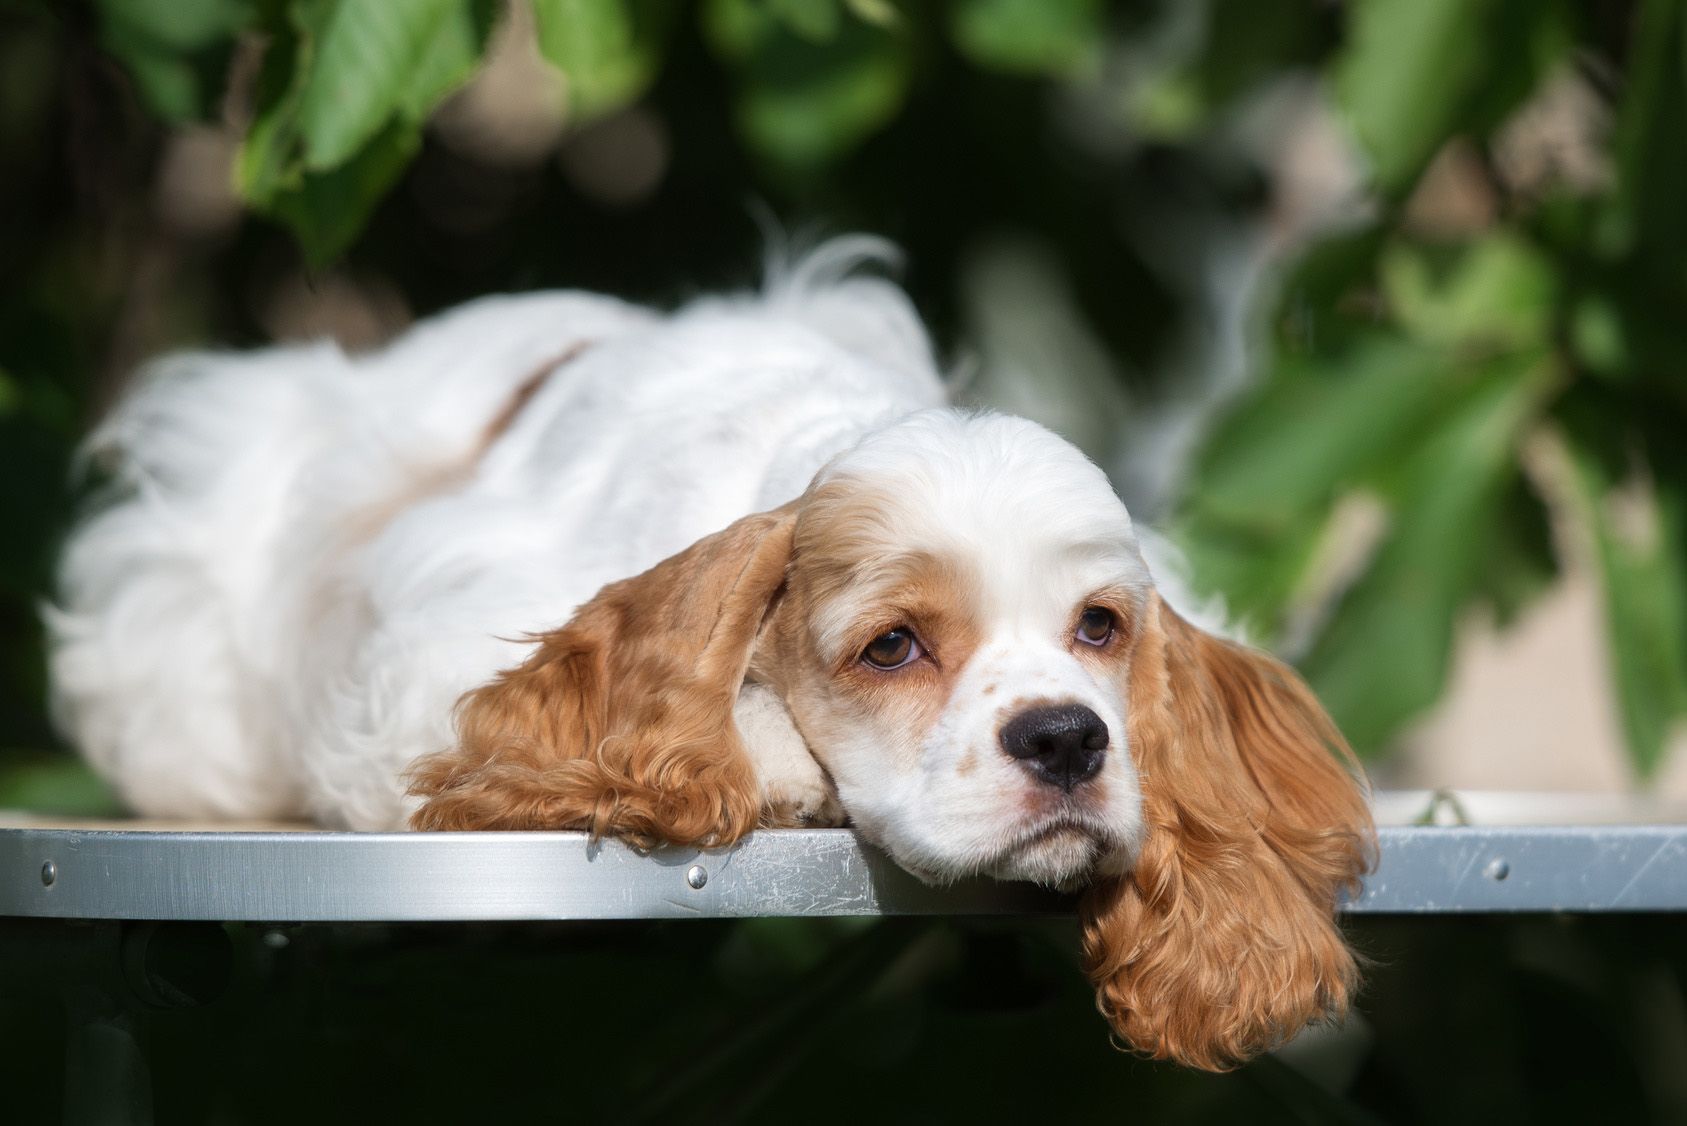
(1062, 746)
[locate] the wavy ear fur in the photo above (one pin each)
(1222, 941)
(621, 721)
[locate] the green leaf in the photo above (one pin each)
(607, 50)
(1383, 657)
(170, 85)
(1415, 72)
(1256, 570)
(1640, 529)
(1406, 68)
(173, 25)
(1498, 291)
(814, 20)
(880, 13)
(1318, 426)
(448, 60)
(1028, 36)
(322, 174)
(327, 210)
(804, 103)
(359, 73)
(49, 783)
(174, 49)
(1518, 560)
(1651, 159)
(1257, 519)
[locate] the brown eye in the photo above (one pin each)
(891, 650)
(1095, 626)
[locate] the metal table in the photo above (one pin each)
(68, 871)
(122, 918)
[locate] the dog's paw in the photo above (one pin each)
(800, 798)
(796, 793)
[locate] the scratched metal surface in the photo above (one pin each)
(346, 877)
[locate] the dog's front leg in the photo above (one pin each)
(796, 793)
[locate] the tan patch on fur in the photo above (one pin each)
(1222, 941)
(524, 395)
(621, 721)
(848, 574)
(437, 480)
(989, 690)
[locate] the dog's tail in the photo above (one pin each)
(829, 288)
(181, 596)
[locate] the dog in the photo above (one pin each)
(556, 561)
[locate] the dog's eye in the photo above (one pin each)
(1095, 626)
(891, 650)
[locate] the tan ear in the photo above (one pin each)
(621, 721)
(1222, 940)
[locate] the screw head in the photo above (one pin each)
(49, 873)
(697, 876)
(1497, 869)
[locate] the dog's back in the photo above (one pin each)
(177, 599)
(262, 621)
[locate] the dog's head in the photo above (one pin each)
(963, 600)
(959, 618)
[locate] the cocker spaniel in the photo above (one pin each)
(555, 561)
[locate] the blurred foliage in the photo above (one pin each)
(1413, 366)
(1450, 374)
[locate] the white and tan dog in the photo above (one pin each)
(554, 561)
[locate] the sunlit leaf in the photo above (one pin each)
(1640, 528)
(54, 783)
(1383, 658)
(1255, 569)
(1028, 36)
(883, 13)
(177, 25)
(359, 70)
(321, 173)
(1318, 425)
(1405, 69)
(1415, 72)
(607, 50)
(1171, 108)
(816, 20)
(448, 59)
(1496, 291)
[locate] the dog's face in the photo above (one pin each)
(961, 606)
(960, 622)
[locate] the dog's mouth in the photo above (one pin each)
(1060, 854)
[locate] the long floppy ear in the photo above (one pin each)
(1222, 940)
(621, 721)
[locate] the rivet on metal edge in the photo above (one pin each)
(1497, 869)
(697, 876)
(49, 873)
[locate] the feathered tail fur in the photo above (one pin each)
(169, 640)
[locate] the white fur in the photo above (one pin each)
(307, 559)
